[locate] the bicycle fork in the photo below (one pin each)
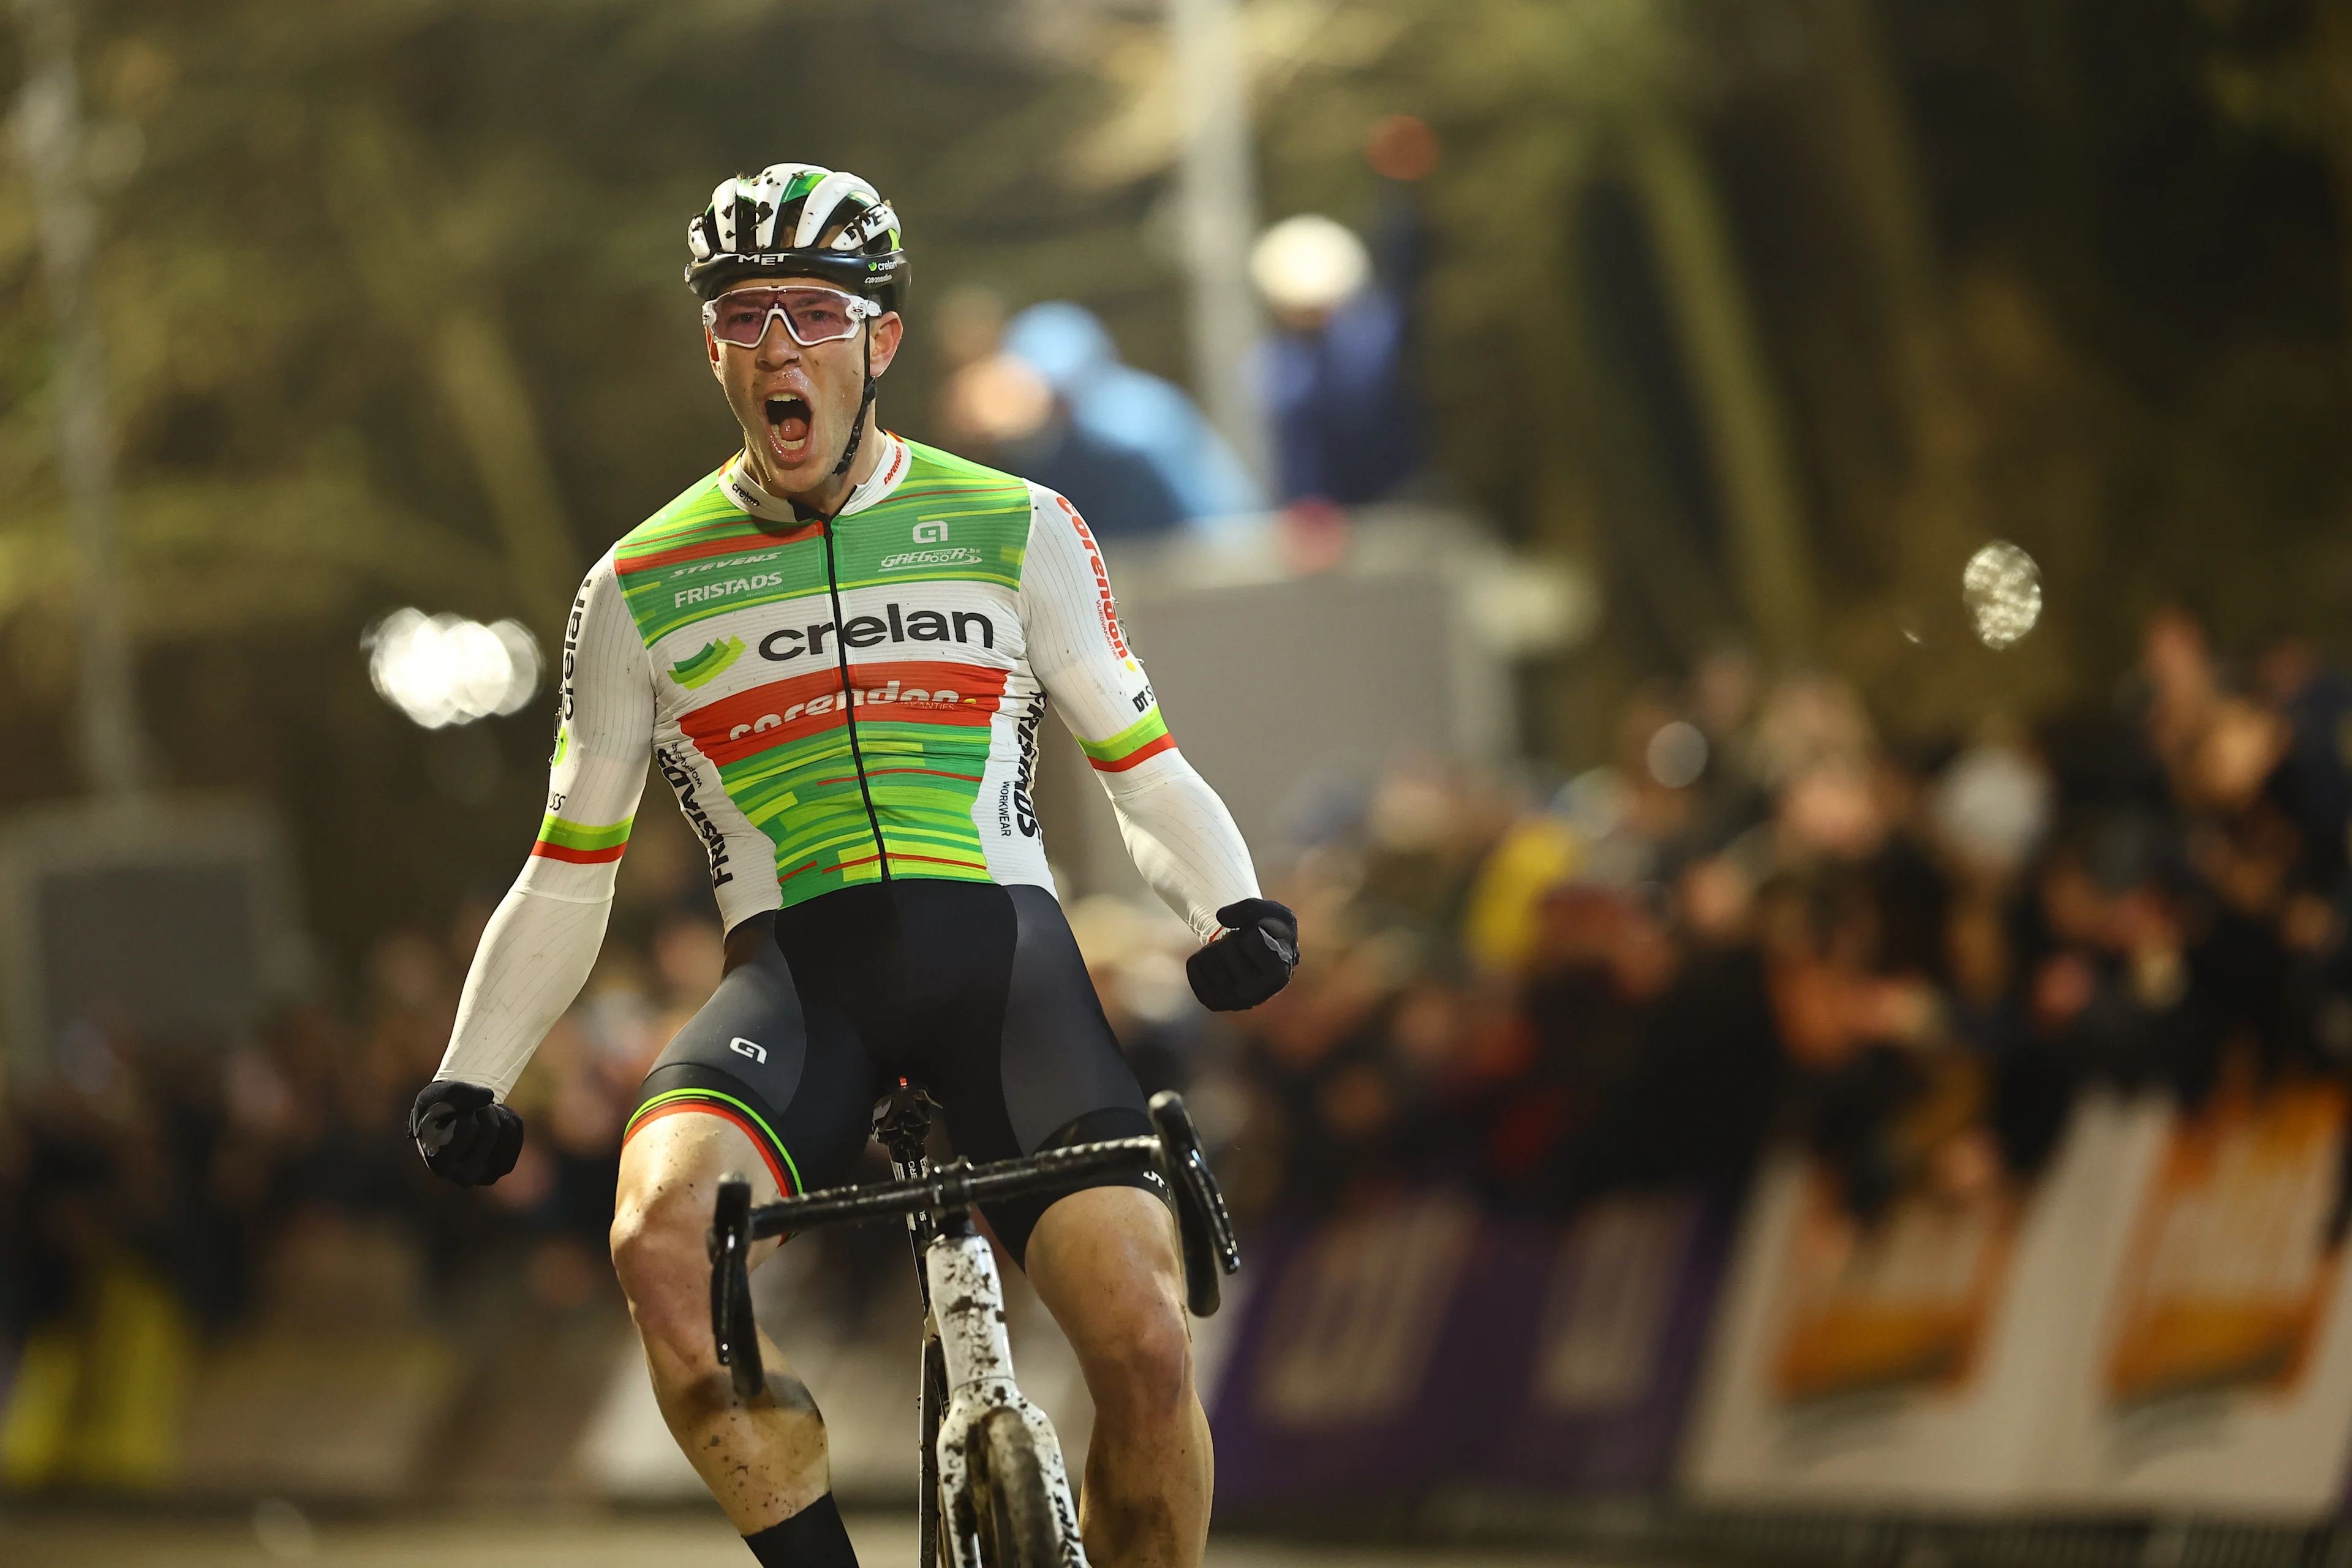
(968, 1308)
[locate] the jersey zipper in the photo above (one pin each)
(849, 703)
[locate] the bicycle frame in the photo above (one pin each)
(960, 1270)
(967, 1358)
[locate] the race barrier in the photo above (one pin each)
(2160, 1325)
(1909, 1366)
(1424, 1345)
(2221, 1378)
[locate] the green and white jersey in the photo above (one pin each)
(835, 705)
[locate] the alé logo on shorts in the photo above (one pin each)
(893, 625)
(702, 668)
(743, 1048)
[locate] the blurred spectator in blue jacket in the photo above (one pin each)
(1000, 410)
(1335, 390)
(1121, 406)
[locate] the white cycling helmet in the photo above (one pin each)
(798, 218)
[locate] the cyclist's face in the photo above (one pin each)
(796, 403)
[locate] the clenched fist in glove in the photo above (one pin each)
(1249, 961)
(463, 1134)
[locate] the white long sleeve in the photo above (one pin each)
(538, 950)
(1182, 836)
(1182, 839)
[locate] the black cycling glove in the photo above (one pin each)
(1249, 961)
(465, 1135)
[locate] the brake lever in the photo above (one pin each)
(733, 1328)
(1221, 1220)
(1202, 1223)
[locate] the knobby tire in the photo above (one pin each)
(1012, 1513)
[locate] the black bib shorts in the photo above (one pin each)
(975, 991)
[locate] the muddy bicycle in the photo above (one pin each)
(994, 1493)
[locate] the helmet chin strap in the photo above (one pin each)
(849, 447)
(857, 425)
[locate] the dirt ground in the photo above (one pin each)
(277, 1534)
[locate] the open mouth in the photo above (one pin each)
(788, 425)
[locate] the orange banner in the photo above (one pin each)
(2229, 1270)
(1906, 1303)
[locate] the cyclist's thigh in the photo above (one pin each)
(668, 1186)
(1029, 1061)
(792, 1076)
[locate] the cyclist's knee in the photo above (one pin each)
(659, 1256)
(658, 1253)
(661, 1214)
(1144, 1370)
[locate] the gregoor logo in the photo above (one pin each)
(910, 560)
(931, 531)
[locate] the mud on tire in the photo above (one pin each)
(1011, 1513)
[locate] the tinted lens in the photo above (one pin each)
(741, 317)
(818, 315)
(813, 316)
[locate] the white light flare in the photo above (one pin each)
(2003, 589)
(444, 669)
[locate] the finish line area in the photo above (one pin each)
(276, 1534)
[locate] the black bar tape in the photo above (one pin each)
(954, 1185)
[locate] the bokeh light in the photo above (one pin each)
(1308, 264)
(2001, 587)
(1401, 147)
(1676, 754)
(444, 669)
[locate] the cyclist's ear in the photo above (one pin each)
(888, 329)
(710, 347)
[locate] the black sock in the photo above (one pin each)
(812, 1538)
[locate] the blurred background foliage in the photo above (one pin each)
(1765, 313)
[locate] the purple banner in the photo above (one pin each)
(1597, 1330)
(1422, 1345)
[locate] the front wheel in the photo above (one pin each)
(1011, 1513)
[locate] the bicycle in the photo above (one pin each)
(994, 1493)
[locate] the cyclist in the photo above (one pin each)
(837, 648)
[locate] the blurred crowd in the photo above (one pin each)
(1757, 920)
(1762, 921)
(156, 1193)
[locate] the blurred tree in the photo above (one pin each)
(392, 300)
(1538, 105)
(2034, 270)
(1766, 311)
